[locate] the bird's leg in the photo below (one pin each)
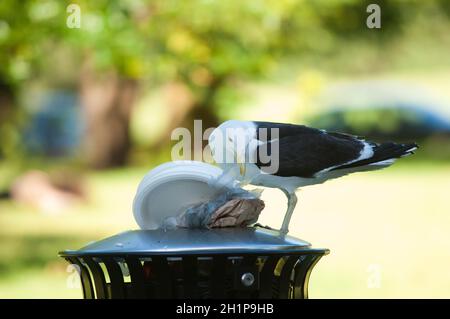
(292, 202)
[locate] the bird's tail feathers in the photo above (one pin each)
(384, 155)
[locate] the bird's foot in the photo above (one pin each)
(261, 226)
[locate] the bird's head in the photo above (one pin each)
(230, 143)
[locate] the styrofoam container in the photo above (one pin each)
(169, 189)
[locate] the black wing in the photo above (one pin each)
(304, 151)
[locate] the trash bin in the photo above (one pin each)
(251, 262)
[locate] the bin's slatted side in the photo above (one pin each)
(88, 290)
(98, 276)
(247, 264)
(117, 285)
(194, 276)
(303, 270)
(137, 287)
(163, 277)
(285, 277)
(218, 276)
(190, 274)
(267, 275)
(249, 260)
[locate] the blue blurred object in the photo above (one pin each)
(382, 109)
(400, 120)
(55, 130)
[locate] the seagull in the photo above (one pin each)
(290, 156)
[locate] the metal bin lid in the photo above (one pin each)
(183, 241)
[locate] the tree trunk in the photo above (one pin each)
(107, 102)
(184, 109)
(8, 114)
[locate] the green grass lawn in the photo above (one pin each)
(388, 232)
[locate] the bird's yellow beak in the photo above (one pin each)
(241, 164)
(242, 169)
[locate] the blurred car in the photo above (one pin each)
(403, 122)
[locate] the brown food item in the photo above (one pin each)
(237, 212)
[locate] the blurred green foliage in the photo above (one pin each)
(208, 45)
(199, 41)
(211, 47)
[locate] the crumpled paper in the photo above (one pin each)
(233, 207)
(238, 212)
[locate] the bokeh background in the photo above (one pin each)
(85, 112)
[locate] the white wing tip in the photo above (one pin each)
(384, 163)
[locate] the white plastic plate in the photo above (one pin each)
(167, 190)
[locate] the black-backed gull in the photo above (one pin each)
(306, 156)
